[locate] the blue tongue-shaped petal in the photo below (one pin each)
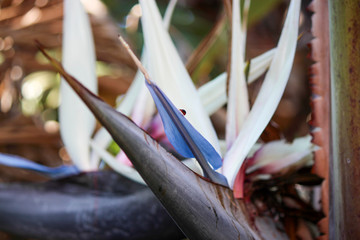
(53, 172)
(184, 137)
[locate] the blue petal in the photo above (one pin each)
(53, 172)
(184, 137)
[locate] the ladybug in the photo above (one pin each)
(183, 111)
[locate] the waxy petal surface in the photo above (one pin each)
(169, 72)
(213, 94)
(238, 101)
(278, 155)
(268, 97)
(76, 121)
(137, 101)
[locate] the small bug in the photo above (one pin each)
(182, 111)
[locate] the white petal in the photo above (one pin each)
(124, 170)
(268, 97)
(169, 72)
(245, 13)
(238, 101)
(213, 94)
(132, 99)
(137, 97)
(260, 64)
(76, 121)
(130, 172)
(168, 13)
(127, 104)
(280, 154)
(193, 165)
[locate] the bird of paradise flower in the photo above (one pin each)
(244, 126)
(188, 138)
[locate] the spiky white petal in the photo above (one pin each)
(76, 121)
(268, 97)
(168, 71)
